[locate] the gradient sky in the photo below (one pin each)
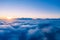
(30, 8)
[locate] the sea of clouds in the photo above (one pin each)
(43, 29)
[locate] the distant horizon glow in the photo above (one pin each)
(30, 8)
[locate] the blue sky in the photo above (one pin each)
(30, 8)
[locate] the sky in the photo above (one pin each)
(30, 8)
